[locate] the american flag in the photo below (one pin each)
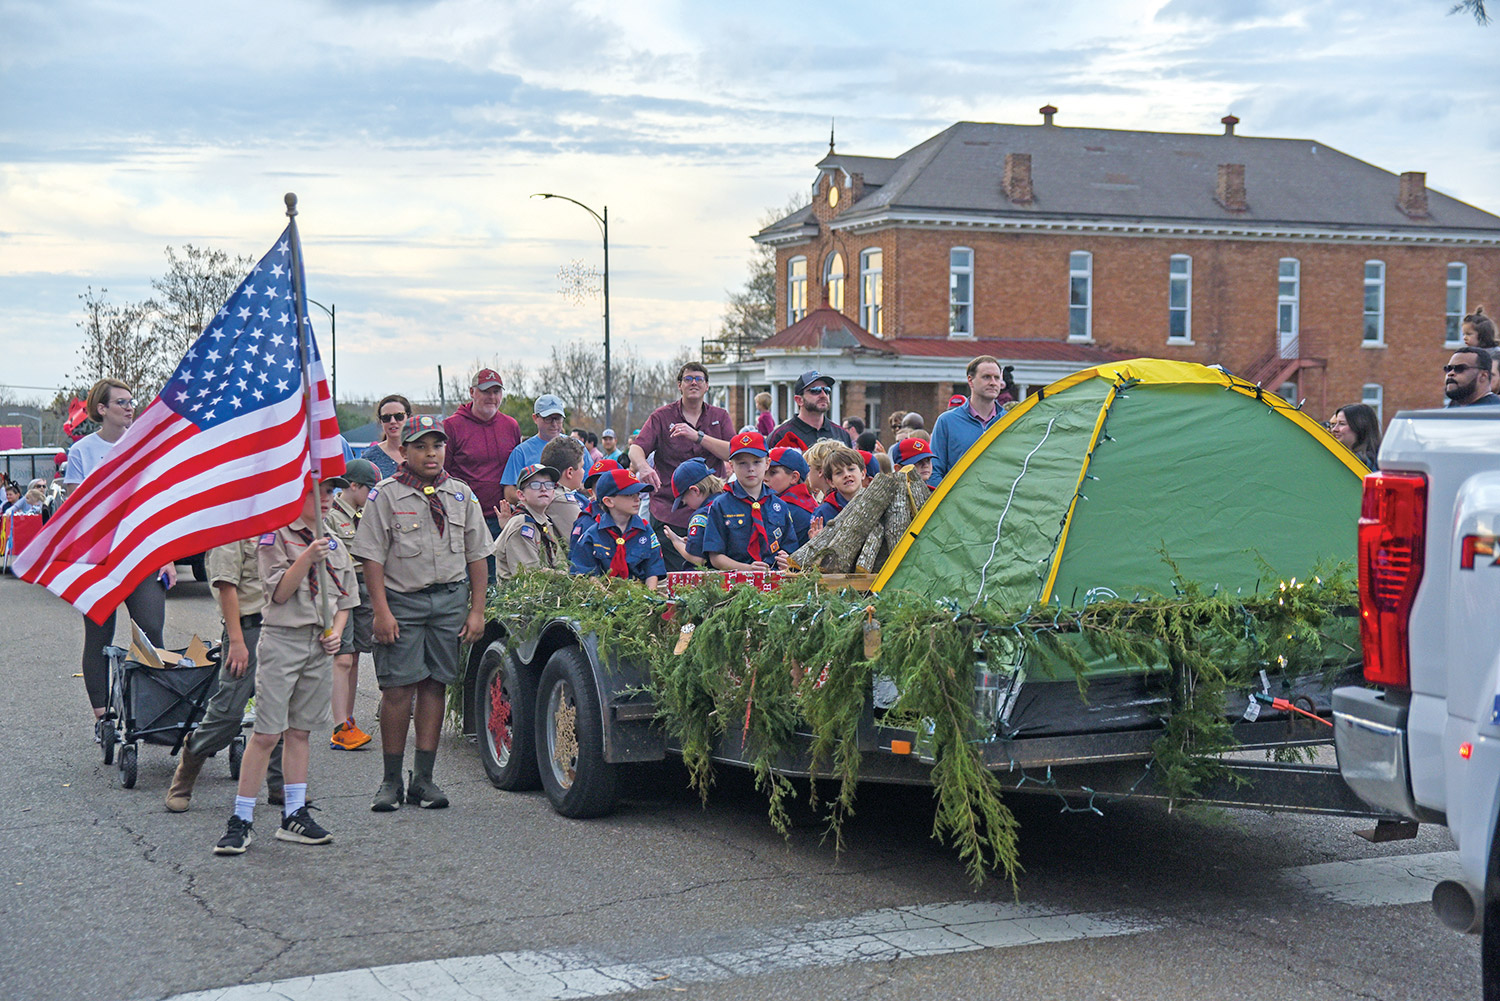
(221, 454)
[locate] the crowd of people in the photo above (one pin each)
(393, 557)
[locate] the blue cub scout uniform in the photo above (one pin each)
(801, 518)
(730, 525)
(697, 526)
(830, 508)
(595, 549)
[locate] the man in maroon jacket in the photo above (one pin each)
(684, 429)
(480, 440)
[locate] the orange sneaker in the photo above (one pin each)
(348, 737)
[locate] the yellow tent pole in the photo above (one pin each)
(1088, 458)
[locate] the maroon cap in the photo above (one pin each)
(487, 378)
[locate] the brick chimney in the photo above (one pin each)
(1229, 122)
(1018, 178)
(1230, 191)
(1047, 112)
(1413, 198)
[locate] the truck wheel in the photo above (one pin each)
(507, 720)
(1489, 946)
(570, 742)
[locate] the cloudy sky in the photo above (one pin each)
(414, 131)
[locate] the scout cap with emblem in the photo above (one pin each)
(598, 469)
(872, 465)
(909, 450)
(548, 405)
(618, 483)
(790, 458)
(361, 472)
(534, 470)
(417, 427)
(487, 378)
(690, 473)
(809, 377)
(750, 442)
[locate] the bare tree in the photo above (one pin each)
(750, 314)
(198, 281)
(119, 341)
(1475, 7)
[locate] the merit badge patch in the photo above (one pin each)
(334, 543)
(267, 539)
(459, 497)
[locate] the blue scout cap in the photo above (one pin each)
(618, 483)
(909, 450)
(686, 475)
(790, 458)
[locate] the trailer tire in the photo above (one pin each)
(570, 739)
(506, 704)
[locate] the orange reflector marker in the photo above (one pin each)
(903, 747)
(1465, 750)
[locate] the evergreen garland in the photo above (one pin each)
(759, 666)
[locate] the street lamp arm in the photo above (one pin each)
(597, 217)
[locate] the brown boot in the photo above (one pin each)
(181, 789)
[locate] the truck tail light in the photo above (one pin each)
(1392, 533)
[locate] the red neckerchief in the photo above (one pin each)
(619, 566)
(434, 502)
(758, 537)
(799, 495)
(836, 499)
(306, 535)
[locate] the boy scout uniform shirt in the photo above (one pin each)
(398, 532)
(276, 551)
(596, 550)
(830, 508)
(565, 509)
(526, 542)
(697, 526)
(236, 563)
(342, 522)
(730, 525)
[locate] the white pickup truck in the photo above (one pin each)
(1426, 743)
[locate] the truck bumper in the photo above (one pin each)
(1369, 736)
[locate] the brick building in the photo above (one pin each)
(1290, 263)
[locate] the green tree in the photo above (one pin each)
(750, 314)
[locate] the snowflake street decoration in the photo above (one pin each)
(578, 282)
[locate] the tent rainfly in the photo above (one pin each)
(1083, 490)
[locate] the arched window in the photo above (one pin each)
(796, 289)
(833, 280)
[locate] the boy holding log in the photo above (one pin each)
(748, 527)
(844, 470)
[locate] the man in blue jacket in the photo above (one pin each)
(956, 430)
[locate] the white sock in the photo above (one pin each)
(244, 808)
(296, 797)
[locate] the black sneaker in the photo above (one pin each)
(301, 828)
(237, 837)
(422, 791)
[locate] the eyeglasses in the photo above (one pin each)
(398, 416)
(541, 486)
(125, 404)
(1459, 369)
(694, 379)
(816, 391)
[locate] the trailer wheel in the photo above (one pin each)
(127, 766)
(570, 744)
(507, 731)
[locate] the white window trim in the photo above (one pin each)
(1088, 310)
(1295, 300)
(1463, 307)
(791, 309)
(1187, 336)
(865, 273)
(1377, 401)
(961, 335)
(1365, 284)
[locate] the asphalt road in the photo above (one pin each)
(107, 896)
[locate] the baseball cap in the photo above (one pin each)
(910, 450)
(487, 378)
(748, 441)
(618, 483)
(597, 469)
(534, 470)
(872, 467)
(424, 424)
(809, 377)
(790, 458)
(957, 400)
(684, 476)
(548, 405)
(608, 433)
(362, 472)
(336, 480)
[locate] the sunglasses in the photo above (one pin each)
(399, 416)
(1459, 369)
(816, 391)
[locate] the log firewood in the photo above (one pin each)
(838, 545)
(869, 555)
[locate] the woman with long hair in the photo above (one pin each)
(1357, 429)
(392, 412)
(112, 404)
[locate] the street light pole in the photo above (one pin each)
(333, 347)
(31, 418)
(603, 221)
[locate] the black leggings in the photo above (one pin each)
(147, 605)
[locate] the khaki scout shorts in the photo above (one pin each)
(427, 646)
(359, 627)
(293, 680)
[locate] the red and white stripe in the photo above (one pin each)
(169, 490)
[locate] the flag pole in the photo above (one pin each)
(304, 354)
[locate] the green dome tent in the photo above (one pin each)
(1079, 490)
